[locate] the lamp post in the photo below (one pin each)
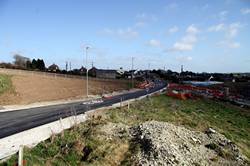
(132, 75)
(87, 78)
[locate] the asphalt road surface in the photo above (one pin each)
(13, 122)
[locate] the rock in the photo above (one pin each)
(210, 131)
(115, 130)
(195, 140)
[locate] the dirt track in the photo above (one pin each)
(36, 88)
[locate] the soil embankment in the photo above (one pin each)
(31, 88)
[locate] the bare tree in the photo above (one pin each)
(20, 60)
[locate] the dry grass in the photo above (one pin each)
(87, 144)
(81, 145)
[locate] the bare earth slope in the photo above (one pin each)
(30, 88)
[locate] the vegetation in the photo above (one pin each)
(24, 63)
(230, 120)
(5, 83)
(81, 145)
(20, 61)
(36, 64)
(86, 145)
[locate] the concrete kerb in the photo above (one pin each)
(42, 104)
(125, 103)
(30, 138)
(57, 102)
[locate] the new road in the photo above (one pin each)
(13, 122)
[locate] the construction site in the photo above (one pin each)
(128, 83)
(218, 91)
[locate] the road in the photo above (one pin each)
(20, 120)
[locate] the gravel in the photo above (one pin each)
(166, 144)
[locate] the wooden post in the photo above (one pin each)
(226, 91)
(60, 120)
(20, 156)
(121, 103)
(128, 105)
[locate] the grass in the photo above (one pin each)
(81, 145)
(84, 144)
(5, 83)
(232, 121)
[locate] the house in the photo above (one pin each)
(92, 72)
(101, 73)
(120, 71)
(53, 68)
(82, 70)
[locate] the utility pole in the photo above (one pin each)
(66, 66)
(70, 66)
(132, 75)
(87, 82)
(148, 70)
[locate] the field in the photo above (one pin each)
(30, 87)
(87, 144)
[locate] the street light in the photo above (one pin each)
(132, 74)
(87, 87)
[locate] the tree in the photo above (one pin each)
(28, 65)
(34, 64)
(40, 64)
(20, 61)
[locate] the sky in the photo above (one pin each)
(204, 35)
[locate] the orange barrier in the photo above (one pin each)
(145, 85)
(179, 95)
(188, 90)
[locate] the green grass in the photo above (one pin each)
(5, 83)
(232, 121)
(72, 146)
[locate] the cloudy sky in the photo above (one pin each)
(204, 35)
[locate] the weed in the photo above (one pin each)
(198, 114)
(86, 145)
(5, 83)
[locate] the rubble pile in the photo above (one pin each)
(111, 130)
(166, 144)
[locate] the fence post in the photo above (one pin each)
(128, 105)
(20, 156)
(121, 103)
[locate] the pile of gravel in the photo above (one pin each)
(117, 130)
(166, 144)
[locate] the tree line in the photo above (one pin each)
(22, 62)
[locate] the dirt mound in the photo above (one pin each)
(166, 144)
